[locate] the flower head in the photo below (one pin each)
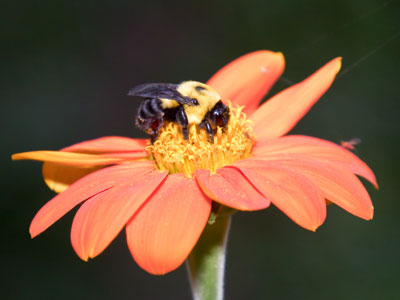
(162, 193)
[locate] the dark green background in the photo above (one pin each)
(66, 67)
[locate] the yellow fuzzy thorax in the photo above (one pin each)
(173, 153)
(207, 99)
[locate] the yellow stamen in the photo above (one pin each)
(173, 153)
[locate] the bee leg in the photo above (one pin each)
(207, 126)
(153, 138)
(155, 129)
(181, 118)
(210, 131)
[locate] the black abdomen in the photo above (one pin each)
(151, 116)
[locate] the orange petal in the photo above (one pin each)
(67, 158)
(85, 188)
(108, 144)
(100, 219)
(281, 113)
(246, 80)
(59, 177)
(165, 229)
(337, 184)
(291, 192)
(317, 149)
(229, 187)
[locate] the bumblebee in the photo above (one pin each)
(190, 102)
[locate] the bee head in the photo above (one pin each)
(198, 91)
(219, 115)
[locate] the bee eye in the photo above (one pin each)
(200, 88)
(195, 102)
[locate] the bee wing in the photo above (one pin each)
(161, 91)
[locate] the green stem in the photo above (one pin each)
(206, 263)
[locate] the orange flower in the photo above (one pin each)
(163, 193)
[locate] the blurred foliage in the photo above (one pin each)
(66, 69)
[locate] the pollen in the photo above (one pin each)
(173, 153)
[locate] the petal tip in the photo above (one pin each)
(375, 184)
(314, 227)
(33, 233)
(338, 61)
(92, 253)
(280, 55)
(83, 256)
(367, 214)
(371, 216)
(309, 227)
(16, 156)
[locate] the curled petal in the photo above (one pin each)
(229, 187)
(246, 80)
(165, 229)
(85, 188)
(295, 195)
(61, 169)
(100, 219)
(281, 113)
(317, 149)
(67, 158)
(59, 177)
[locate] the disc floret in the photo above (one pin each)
(173, 153)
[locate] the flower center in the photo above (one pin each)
(173, 153)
